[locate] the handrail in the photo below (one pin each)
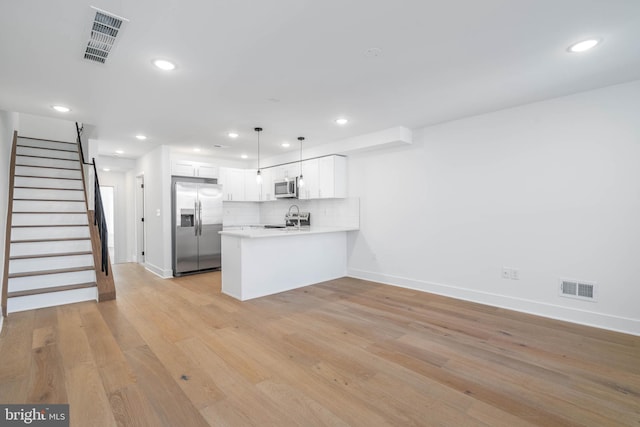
(79, 133)
(99, 216)
(100, 220)
(12, 177)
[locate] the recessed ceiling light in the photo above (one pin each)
(164, 64)
(61, 109)
(197, 150)
(141, 137)
(233, 135)
(106, 169)
(244, 156)
(583, 45)
(373, 52)
(119, 152)
(285, 144)
(342, 121)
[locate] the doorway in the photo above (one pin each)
(140, 227)
(108, 204)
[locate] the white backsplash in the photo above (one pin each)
(240, 213)
(324, 212)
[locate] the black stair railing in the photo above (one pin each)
(99, 218)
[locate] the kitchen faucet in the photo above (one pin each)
(289, 214)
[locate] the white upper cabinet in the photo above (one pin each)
(197, 169)
(310, 189)
(324, 178)
(288, 171)
(332, 173)
(266, 190)
(232, 181)
(293, 169)
(240, 185)
(208, 171)
(252, 190)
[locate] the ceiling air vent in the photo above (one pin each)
(104, 30)
(578, 289)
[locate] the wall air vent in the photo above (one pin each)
(578, 289)
(104, 30)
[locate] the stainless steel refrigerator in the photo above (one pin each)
(197, 219)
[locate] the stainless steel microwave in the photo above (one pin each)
(286, 188)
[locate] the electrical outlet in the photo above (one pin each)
(510, 273)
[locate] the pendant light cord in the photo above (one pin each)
(258, 130)
(301, 138)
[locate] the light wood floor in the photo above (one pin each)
(347, 352)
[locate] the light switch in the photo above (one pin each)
(157, 212)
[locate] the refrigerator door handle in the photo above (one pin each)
(200, 217)
(195, 217)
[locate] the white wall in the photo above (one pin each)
(551, 188)
(155, 166)
(47, 128)
(117, 180)
(131, 215)
(8, 123)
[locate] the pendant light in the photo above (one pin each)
(258, 175)
(301, 179)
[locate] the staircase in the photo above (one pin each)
(51, 258)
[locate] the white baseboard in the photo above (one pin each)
(568, 314)
(165, 274)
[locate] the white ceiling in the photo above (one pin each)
(293, 66)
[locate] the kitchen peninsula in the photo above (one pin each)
(258, 262)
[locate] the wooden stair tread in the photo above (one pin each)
(47, 200)
(49, 167)
(47, 177)
(48, 188)
(61, 239)
(50, 225)
(48, 213)
(44, 272)
(49, 255)
(50, 290)
(48, 140)
(46, 157)
(47, 148)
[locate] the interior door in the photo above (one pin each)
(186, 239)
(140, 218)
(210, 215)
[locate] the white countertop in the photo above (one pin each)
(282, 232)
